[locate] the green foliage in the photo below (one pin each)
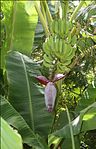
(19, 27)
(16, 120)
(66, 47)
(9, 137)
(25, 94)
(87, 12)
(87, 98)
(84, 122)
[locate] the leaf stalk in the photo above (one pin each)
(73, 16)
(70, 126)
(43, 21)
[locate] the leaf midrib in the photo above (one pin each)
(29, 94)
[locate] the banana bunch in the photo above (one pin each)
(60, 27)
(60, 52)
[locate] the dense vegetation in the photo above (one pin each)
(56, 41)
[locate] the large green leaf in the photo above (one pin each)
(25, 94)
(20, 27)
(87, 12)
(87, 98)
(13, 118)
(84, 122)
(9, 138)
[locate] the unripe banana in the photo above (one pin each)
(56, 27)
(47, 58)
(46, 48)
(69, 38)
(71, 51)
(62, 68)
(61, 27)
(65, 61)
(51, 43)
(55, 45)
(48, 65)
(60, 46)
(65, 49)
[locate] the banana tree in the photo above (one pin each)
(31, 104)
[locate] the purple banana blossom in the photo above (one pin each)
(58, 77)
(50, 90)
(43, 80)
(50, 96)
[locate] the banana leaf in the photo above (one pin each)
(14, 119)
(19, 27)
(84, 122)
(9, 138)
(26, 95)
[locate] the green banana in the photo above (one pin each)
(61, 68)
(71, 54)
(48, 65)
(69, 38)
(55, 47)
(47, 58)
(46, 48)
(65, 61)
(61, 27)
(68, 49)
(65, 51)
(56, 27)
(61, 46)
(51, 41)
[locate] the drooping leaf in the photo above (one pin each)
(19, 26)
(87, 118)
(25, 95)
(87, 12)
(9, 137)
(24, 28)
(66, 144)
(29, 7)
(88, 98)
(14, 119)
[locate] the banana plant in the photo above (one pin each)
(60, 46)
(26, 107)
(61, 42)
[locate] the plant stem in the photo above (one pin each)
(75, 30)
(43, 10)
(71, 130)
(64, 6)
(73, 16)
(43, 21)
(48, 13)
(13, 22)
